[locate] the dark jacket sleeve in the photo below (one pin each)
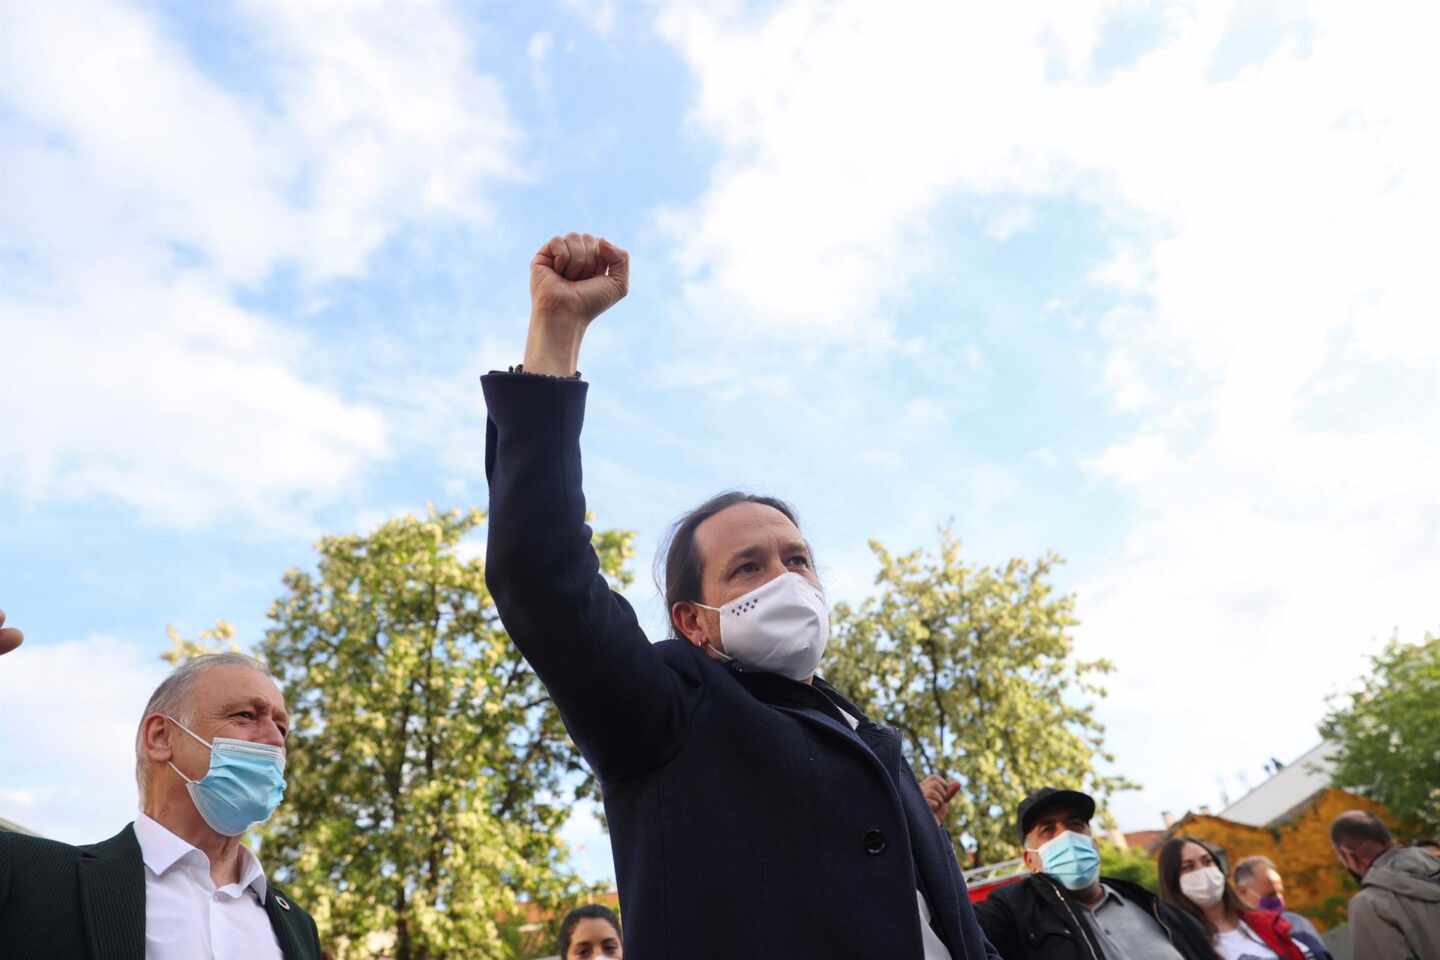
(998, 923)
(626, 709)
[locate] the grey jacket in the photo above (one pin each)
(1396, 914)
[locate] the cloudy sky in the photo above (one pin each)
(1143, 283)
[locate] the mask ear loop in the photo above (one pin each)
(720, 654)
(209, 746)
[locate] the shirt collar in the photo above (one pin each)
(1108, 893)
(161, 849)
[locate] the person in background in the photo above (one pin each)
(178, 883)
(1258, 882)
(590, 932)
(1065, 910)
(1397, 911)
(1192, 878)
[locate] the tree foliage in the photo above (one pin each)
(218, 639)
(975, 667)
(427, 769)
(1388, 732)
(1129, 863)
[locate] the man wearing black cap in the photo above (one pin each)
(1065, 910)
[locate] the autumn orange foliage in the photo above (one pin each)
(1315, 883)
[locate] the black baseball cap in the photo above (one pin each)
(1047, 799)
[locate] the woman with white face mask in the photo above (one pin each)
(1192, 877)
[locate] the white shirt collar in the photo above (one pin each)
(161, 849)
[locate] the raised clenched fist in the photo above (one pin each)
(9, 637)
(573, 279)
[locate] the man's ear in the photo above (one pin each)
(1032, 861)
(686, 619)
(155, 735)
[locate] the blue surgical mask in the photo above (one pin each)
(245, 784)
(1071, 858)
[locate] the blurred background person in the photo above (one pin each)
(1397, 911)
(590, 932)
(1192, 878)
(1065, 910)
(1258, 882)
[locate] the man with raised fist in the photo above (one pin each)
(754, 811)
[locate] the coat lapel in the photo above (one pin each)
(285, 921)
(112, 897)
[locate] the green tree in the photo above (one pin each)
(218, 639)
(427, 769)
(1129, 863)
(1388, 732)
(974, 666)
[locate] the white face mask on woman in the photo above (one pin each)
(780, 627)
(1204, 887)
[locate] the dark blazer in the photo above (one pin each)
(1037, 920)
(70, 903)
(747, 818)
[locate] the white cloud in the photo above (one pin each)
(538, 50)
(142, 196)
(1270, 203)
(71, 710)
(1010, 222)
(599, 15)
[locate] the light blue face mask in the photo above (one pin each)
(1071, 858)
(245, 784)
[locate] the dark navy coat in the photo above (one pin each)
(747, 819)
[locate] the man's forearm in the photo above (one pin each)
(552, 346)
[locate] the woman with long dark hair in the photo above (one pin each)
(1192, 878)
(591, 932)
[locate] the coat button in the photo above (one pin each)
(874, 842)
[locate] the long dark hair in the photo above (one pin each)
(1170, 882)
(590, 911)
(678, 575)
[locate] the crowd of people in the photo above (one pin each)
(754, 810)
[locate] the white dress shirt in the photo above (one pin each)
(187, 917)
(935, 948)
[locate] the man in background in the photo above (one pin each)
(177, 883)
(1065, 910)
(1396, 914)
(1257, 880)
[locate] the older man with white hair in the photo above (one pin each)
(177, 882)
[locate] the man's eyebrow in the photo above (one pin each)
(258, 704)
(745, 553)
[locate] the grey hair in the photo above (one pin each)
(1246, 869)
(172, 697)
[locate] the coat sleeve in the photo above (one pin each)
(625, 708)
(997, 922)
(1372, 932)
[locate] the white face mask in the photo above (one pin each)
(782, 627)
(1204, 887)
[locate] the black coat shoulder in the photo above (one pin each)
(33, 857)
